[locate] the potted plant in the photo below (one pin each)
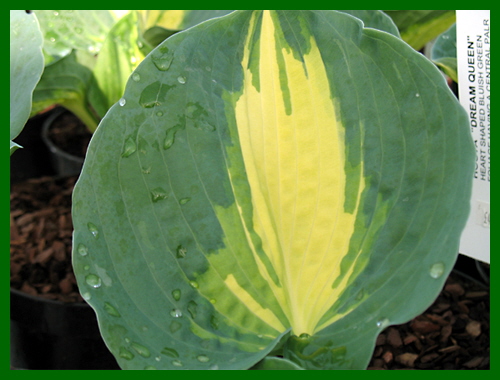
(272, 190)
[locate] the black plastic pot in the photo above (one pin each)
(64, 164)
(47, 334)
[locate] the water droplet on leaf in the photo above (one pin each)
(140, 349)
(162, 58)
(177, 363)
(214, 367)
(122, 102)
(110, 309)
(129, 147)
(170, 352)
(125, 354)
(194, 284)
(93, 229)
(136, 77)
(86, 296)
(82, 249)
(203, 358)
(383, 323)
(191, 307)
(183, 201)
(181, 252)
(158, 194)
(149, 367)
(176, 313)
(176, 293)
(93, 280)
(436, 270)
(181, 79)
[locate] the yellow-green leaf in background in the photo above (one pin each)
(418, 27)
(289, 184)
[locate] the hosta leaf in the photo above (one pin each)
(118, 57)
(67, 82)
(26, 67)
(276, 181)
(375, 19)
(418, 27)
(65, 30)
(157, 25)
(444, 52)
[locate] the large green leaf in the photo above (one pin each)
(26, 67)
(282, 182)
(418, 27)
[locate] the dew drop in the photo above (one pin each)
(214, 322)
(191, 307)
(175, 326)
(86, 296)
(176, 313)
(146, 170)
(170, 352)
(129, 147)
(158, 358)
(122, 102)
(436, 270)
(203, 358)
(110, 309)
(82, 249)
(194, 284)
(208, 68)
(304, 336)
(176, 293)
(93, 280)
(140, 349)
(125, 354)
(150, 367)
(136, 77)
(417, 95)
(181, 79)
(158, 194)
(86, 267)
(183, 201)
(383, 323)
(162, 58)
(181, 252)
(93, 229)
(214, 367)
(213, 301)
(159, 113)
(177, 363)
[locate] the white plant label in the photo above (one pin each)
(473, 59)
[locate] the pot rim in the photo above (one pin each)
(52, 147)
(20, 293)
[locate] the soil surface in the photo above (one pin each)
(452, 334)
(69, 134)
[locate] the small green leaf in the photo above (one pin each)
(444, 53)
(418, 27)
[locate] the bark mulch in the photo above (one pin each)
(453, 333)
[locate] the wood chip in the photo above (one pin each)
(455, 289)
(393, 337)
(387, 357)
(473, 328)
(474, 362)
(478, 294)
(423, 326)
(407, 359)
